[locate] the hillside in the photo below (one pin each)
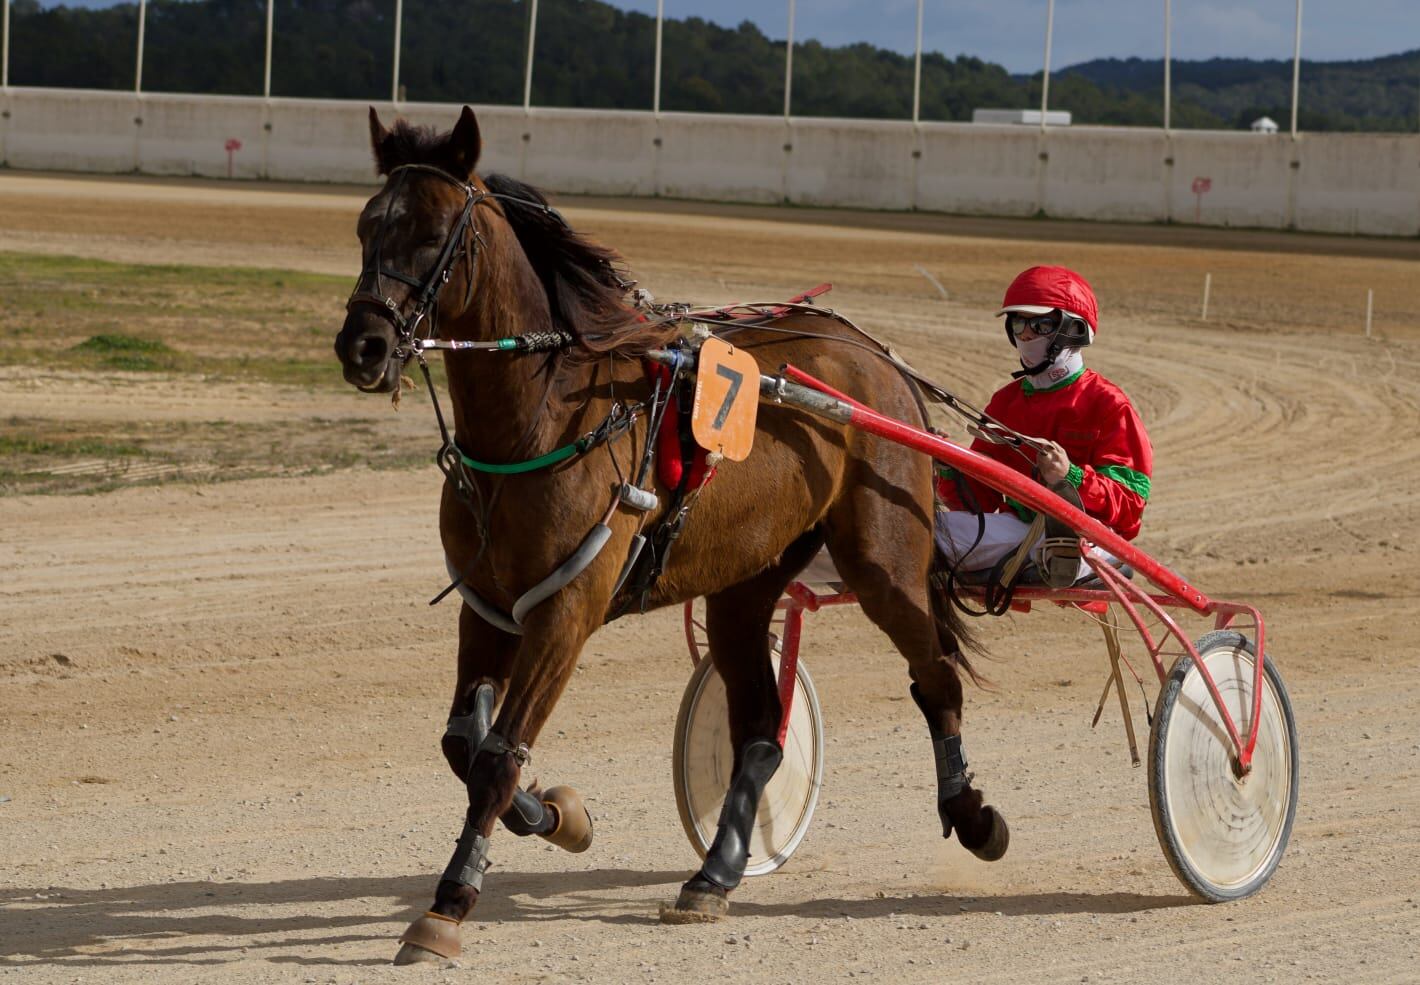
(591, 54)
(1376, 94)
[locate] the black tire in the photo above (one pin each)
(1223, 837)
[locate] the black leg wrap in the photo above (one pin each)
(951, 764)
(527, 815)
(725, 862)
(473, 728)
(470, 859)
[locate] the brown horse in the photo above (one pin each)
(492, 261)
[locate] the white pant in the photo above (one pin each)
(1003, 533)
(956, 532)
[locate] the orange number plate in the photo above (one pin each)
(726, 400)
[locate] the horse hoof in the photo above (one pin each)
(997, 840)
(574, 822)
(696, 906)
(433, 937)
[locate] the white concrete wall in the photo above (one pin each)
(1359, 183)
(1111, 173)
(1251, 174)
(55, 130)
(978, 169)
(723, 158)
(188, 135)
(1348, 183)
(854, 163)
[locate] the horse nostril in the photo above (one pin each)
(367, 350)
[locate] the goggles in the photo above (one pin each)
(1041, 325)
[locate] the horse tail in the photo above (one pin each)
(953, 636)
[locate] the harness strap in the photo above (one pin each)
(518, 468)
(617, 421)
(579, 561)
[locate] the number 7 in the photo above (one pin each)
(736, 378)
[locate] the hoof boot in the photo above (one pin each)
(696, 906)
(433, 937)
(574, 822)
(998, 839)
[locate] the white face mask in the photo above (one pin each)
(1033, 351)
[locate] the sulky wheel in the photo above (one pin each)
(1222, 835)
(703, 758)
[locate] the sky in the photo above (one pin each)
(1012, 32)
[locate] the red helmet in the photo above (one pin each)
(1041, 290)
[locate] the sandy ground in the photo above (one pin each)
(220, 703)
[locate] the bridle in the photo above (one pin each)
(464, 241)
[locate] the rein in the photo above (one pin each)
(976, 420)
(465, 241)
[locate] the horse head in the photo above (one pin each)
(419, 242)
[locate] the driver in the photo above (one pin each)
(1095, 451)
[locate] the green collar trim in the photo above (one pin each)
(1029, 388)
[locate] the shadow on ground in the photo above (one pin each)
(161, 924)
(89, 927)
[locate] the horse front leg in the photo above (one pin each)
(486, 656)
(543, 662)
(737, 621)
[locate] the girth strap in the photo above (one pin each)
(578, 562)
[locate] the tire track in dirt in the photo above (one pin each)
(235, 775)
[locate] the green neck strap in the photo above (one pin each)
(531, 465)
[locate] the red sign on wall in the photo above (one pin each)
(232, 146)
(1201, 187)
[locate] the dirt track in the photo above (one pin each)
(220, 703)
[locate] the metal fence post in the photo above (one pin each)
(1045, 78)
(527, 70)
(266, 81)
(398, 24)
(1296, 69)
(5, 43)
(1168, 55)
(917, 70)
(142, 21)
(660, 22)
(789, 62)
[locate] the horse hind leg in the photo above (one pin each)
(885, 560)
(737, 623)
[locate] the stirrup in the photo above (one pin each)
(1060, 547)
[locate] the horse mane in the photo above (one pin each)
(586, 284)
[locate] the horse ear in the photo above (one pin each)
(378, 133)
(465, 142)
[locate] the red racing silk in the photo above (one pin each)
(1091, 418)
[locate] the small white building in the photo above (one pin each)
(1264, 124)
(1030, 117)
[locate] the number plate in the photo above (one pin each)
(726, 400)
